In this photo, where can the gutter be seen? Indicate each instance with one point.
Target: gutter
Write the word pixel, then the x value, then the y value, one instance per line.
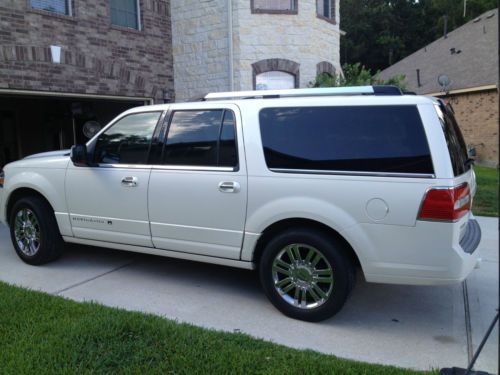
pixel 463 91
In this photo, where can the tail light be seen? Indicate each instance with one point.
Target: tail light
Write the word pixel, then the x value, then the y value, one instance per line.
pixel 446 204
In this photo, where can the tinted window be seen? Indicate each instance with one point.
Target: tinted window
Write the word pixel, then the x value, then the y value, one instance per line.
pixel 201 138
pixel 454 139
pixel 128 140
pixel 361 138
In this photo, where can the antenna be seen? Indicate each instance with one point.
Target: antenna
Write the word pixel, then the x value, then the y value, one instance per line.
pixel 444 82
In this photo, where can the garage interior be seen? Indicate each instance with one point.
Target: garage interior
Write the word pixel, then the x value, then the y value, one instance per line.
pixel 33 124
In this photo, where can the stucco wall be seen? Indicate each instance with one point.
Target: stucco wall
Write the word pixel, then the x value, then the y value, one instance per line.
pixel 200 47
pixel 302 37
pixel 477 115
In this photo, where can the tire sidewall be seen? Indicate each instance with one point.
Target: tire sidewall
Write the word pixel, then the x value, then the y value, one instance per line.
pixel 38 211
pixel 331 250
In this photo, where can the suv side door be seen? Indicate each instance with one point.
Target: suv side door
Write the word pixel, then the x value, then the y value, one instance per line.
pixel 198 195
pixel 108 200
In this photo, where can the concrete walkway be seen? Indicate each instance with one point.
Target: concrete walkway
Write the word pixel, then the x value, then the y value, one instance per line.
pixel 414 327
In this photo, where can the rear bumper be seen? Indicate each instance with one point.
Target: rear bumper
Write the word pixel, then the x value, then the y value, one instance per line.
pixel 430 253
pixel 472 237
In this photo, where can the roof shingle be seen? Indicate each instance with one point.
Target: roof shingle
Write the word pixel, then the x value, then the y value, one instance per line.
pixel 468 56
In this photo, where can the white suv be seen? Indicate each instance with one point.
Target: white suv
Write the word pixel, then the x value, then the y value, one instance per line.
pixel 304 185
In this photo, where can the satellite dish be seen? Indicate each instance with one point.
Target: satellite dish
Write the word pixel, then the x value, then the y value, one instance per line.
pixel 444 81
pixel 91 128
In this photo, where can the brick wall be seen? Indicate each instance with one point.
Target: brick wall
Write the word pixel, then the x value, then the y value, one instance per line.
pixel 96 57
pixel 477 115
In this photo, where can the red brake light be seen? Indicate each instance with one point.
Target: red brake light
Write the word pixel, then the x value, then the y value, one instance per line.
pixel 447 204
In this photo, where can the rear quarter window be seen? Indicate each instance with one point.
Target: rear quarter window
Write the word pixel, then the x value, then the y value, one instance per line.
pixel 387 139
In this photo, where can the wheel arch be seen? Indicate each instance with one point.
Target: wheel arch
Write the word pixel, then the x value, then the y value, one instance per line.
pixel 20 193
pixel 298 222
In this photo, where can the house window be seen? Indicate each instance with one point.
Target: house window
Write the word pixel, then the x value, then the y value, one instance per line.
pixel 55 6
pixel 272 74
pixel 326 9
pixel 126 13
pixel 274 6
pixel 275 80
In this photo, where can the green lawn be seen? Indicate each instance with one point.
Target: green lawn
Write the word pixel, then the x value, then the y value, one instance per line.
pixel 44 334
pixel 486 200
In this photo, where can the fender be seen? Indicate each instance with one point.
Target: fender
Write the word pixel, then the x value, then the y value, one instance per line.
pixel 47 182
pixel 303 208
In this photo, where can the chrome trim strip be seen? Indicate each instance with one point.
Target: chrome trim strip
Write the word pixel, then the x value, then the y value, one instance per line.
pixel 193 168
pixel 169 167
pixel 125 166
pixel 353 173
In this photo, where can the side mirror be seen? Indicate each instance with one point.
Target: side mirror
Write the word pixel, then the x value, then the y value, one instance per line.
pixel 78 155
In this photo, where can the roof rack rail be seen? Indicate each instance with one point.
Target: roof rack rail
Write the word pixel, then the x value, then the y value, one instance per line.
pixel 328 91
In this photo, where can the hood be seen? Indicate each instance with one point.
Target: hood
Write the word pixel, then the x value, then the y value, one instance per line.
pixel 53 159
pixel 49 154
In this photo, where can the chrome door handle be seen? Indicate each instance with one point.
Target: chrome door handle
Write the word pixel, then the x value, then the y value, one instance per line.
pixel 229 187
pixel 129 181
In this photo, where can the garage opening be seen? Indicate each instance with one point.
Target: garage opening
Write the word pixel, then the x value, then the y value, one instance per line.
pixel 33 124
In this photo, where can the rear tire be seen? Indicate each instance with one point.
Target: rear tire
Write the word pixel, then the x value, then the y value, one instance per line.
pixel 34 231
pixel 306 274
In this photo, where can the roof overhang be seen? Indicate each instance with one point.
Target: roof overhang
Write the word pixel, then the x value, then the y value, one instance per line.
pixel 464 91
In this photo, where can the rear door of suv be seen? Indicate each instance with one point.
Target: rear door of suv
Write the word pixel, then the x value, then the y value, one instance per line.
pixel 198 191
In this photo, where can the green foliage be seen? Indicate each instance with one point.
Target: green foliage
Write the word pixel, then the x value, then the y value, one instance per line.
pixel 486 200
pixel 356 75
pixel 42 334
pixel 382 32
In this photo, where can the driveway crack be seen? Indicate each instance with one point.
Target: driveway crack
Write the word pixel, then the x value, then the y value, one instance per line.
pixel 94 278
pixel 468 327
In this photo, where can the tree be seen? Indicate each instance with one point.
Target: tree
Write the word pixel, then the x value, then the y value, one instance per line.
pixel 356 75
pixel 382 32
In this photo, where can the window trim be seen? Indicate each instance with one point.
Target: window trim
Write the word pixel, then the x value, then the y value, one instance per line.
pixel 91 146
pixel 167 121
pixel 125 28
pixel 293 11
pixel 70 13
pixel 333 9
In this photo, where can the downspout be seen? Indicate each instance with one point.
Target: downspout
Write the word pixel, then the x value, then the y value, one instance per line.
pixel 230 43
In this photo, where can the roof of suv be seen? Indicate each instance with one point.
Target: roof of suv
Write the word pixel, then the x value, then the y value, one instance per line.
pixel 361 95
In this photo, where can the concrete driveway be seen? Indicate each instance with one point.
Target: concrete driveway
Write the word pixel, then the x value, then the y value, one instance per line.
pixel 414 327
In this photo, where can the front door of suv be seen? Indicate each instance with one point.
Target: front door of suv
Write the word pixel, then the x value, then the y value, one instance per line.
pixel 198 195
pixel 108 201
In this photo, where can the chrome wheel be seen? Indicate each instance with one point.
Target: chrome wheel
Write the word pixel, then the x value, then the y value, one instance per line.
pixel 27 232
pixel 302 276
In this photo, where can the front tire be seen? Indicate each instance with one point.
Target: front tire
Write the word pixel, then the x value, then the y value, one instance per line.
pixel 34 231
pixel 306 274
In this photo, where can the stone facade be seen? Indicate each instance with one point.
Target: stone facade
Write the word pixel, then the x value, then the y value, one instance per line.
pixel 201 45
pixel 96 57
pixel 477 115
pixel 304 38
